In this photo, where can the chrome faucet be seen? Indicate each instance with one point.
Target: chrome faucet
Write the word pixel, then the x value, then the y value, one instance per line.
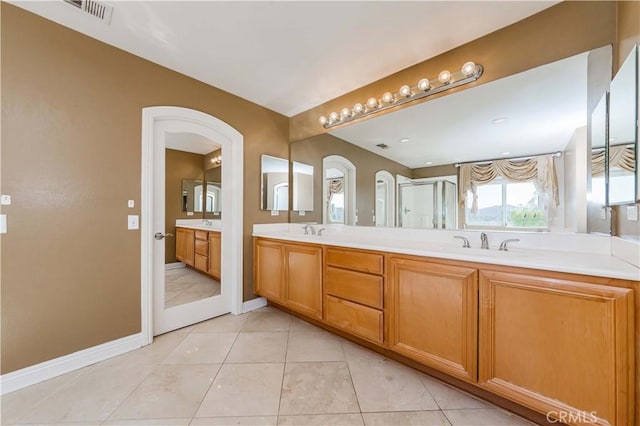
pixel 308 227
pixel 485 241
pixel 320 231
pixel 465 242
pixel 503 245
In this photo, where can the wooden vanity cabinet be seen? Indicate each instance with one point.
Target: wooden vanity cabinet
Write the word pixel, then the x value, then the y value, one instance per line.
pixel 215 255
pixel 290 274
pixel 558 346
pixel 185 245
pixel 433 314
pixel 201 262
pixel 354 292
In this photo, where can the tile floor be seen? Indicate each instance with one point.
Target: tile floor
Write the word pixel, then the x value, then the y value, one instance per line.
pixel 261 368
pixel 184 285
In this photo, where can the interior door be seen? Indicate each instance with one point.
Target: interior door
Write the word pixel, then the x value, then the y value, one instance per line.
pixel 167 317
pixel 416 205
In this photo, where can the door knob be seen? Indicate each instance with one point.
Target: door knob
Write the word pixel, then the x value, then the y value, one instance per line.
pixel 160 235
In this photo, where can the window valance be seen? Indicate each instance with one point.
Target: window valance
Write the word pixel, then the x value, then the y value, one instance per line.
pixel 540 170
pixel 622 156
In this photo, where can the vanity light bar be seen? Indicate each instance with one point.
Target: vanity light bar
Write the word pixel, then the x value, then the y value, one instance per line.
pixel 446 80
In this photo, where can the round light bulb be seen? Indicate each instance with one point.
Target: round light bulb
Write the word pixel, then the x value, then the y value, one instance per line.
pixel 372 103
pixel 405 91
pixel 323 120
pixel 345 113
pixel 468 69
pixel 444 76
pixel 358 108
pixel 387 97
pixel 333 117
pixel 424 84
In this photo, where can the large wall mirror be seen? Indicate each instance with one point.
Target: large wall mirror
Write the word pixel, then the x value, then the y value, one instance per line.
pixel 623 133
pixel 510 154
pixel 275 184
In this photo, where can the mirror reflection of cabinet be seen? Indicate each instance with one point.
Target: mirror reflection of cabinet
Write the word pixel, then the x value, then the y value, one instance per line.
pixel 275 184
pixel 302 187
pixel 623 133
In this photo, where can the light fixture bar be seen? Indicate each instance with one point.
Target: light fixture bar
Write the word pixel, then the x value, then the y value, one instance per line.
pixel 446 80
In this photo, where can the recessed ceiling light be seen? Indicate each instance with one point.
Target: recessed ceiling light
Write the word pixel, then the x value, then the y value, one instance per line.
pixel 506 153
pixel 403 140
pixel 428 163
pixel 499 120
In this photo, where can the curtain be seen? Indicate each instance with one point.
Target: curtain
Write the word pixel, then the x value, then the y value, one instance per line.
pixel 539 170
pixel 622 156
pixel 335 186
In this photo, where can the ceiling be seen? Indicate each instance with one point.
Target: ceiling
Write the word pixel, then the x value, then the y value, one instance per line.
pixel 289 56
pixel 536 112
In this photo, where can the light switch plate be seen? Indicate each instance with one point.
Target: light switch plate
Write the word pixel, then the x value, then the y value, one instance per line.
pixel 5 200
pixel 275 212
pixel 632 213
pixel 131 204
pixel 133 221
pixel 302 213
pixel 3 223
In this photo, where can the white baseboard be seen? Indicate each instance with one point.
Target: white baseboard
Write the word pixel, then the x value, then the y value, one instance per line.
pixel 254 304
pixel 174 265
pixel 49 369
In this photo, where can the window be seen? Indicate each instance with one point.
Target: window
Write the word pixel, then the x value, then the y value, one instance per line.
pixel 503 204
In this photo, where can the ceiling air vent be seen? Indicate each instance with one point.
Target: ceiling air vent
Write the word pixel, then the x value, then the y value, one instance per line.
pixel 97 9
pixel 383 146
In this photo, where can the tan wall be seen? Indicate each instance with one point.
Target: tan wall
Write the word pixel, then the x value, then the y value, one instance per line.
pixel 435 171
pixel 313 150
pixel 628 34
pixel 71 138
pixel 179 165
pixel 563 30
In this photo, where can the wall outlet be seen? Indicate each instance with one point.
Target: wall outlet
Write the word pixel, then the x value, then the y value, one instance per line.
pixel 189 213
pixel 131 204
pixel 275 212
pixel 301 213
pixel 133 221
pixel 632 213
pixel 5 200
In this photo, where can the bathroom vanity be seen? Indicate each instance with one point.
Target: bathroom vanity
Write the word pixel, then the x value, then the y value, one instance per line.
pixel 199 247
pixel 547 329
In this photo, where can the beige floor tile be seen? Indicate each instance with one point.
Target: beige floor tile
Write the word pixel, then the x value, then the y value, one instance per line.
pixel 244 390
pixel 484 416
pixel 298 325
pixel 448 397
pixel 317 388
pixel 169 391
pixel 17 404
pixel 314 346
pixel 266 321
pixel 357 353
pixel 406 418
pixel 322 420
pixel 236 421
pixel 225 324
pixel 149 422
pixel 259 347
pixel 92 396
pixel 385 385
pixel 202 348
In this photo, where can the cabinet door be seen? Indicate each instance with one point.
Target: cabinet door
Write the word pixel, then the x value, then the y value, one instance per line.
pixel 303 291
pixel 215 255
pixel 433 310
pixel 185 249
pixel 559 347
pixel 269 269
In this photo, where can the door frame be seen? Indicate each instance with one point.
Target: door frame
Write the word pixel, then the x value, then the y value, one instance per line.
pixel 232 143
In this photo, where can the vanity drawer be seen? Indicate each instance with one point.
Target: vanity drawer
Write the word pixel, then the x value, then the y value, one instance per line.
pixel 355 286
pixel 202 247
pixel 354 318
pixel 356 260
pixel 201 235
pixel 201 262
